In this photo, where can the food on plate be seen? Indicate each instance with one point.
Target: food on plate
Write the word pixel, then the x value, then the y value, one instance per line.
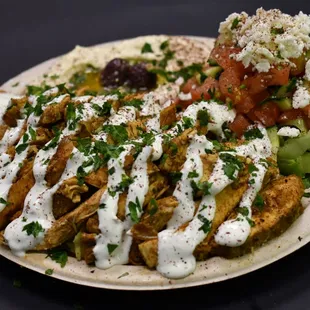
pixel 161 151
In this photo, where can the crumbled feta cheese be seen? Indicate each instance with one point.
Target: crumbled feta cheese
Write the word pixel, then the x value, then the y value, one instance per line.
pixel 179 81
pixel 288 132
pixel 307 74
pixel 301 97
pixel 267 38
pixel 184 97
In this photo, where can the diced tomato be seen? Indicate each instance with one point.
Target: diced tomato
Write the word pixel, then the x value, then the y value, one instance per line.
pixel 267 113
pixel 290 115
pixel 239 125
pixel 189 85
pixel 222 55
pixel 280 76
pixel 246 103
pixel 257 83
pixel 300 64
pixel 229 83
pixel 199 92
pixel 306 111
pixel 257 98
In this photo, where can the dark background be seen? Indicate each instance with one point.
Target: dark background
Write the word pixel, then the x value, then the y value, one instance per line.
pixel 33 31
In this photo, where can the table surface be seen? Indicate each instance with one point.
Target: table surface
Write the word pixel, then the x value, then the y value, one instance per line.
pixel 33 31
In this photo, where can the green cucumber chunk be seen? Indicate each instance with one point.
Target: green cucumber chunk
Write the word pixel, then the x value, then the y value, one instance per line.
pixel 214 71
pixel 299 166
pixel 284 104
pixel 295 147
pixel 298 123
pixel 274 139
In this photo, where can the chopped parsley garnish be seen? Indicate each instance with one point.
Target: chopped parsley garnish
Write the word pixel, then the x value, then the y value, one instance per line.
pixel 187 122
pixel 147 48
pixel 108 150
pixel 231 165
pixel 36 90
pixel 173 148
pixel 259 202
pixel 80 175
pixel 102 206
pixel 164 45
pixel 137 103
pixel 206 226
pixel 4 202
pixel 250 221
pixel 117 132
pixel 275 30
pixel 253 133
pixel 84 145
pixel 71 116
pixel 167 56
pixel 243 211
pixel 154 207
pixel 163 158
pixel 134 208
pixel 54 77
pixel 217 146
pixel 235 23
pixel 242 86
pixel 192 174
pixel 21 147
pixel 49 272
pixel 203 117
pixel 175 177
pixel 32 133
pixel 33 228
pixel 306 195
pixel 111 193
pixel 111 171
pixel 59 256
pixel 148 138
pixel 111 247
pixel 54 142
pixel 103 110
pixel 126 181
pixel 201 186
pixel 25 137
pixel 125 274
pixel 252 168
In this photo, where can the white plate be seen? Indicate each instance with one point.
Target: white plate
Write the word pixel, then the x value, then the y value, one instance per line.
pixel 140 278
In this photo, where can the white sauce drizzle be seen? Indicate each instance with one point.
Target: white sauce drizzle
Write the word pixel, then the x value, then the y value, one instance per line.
pixel 183 191
pixel 175 247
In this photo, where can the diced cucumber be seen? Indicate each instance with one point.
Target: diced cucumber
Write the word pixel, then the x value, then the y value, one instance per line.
pixel 295 147
pixel 299 123
pixel 212 62
pixel 299 166
pixel 284 104
pixel 214 71
pixel 284 90
pixel 274 139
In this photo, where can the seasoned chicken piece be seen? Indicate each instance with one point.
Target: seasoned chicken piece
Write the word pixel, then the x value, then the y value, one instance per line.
pixel 88 127
pixel 66 227
pixel 16 197
pixel 43 135
pixel 58 162
pixel 168 115
pixel 134 129
pixel 13 112
pixel 72 190
pixel 54 112
pixel 62 205
pixel 281 208
pixel 98 178
pixel 3 129
pixel 175 152
pixel 92 225
pixel 225 206
pixel 88 241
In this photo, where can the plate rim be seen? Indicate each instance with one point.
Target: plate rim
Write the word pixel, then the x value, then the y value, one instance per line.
pixel 25 262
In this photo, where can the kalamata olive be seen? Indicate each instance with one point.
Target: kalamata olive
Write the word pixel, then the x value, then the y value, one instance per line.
pixel 115 73
pixel 139 77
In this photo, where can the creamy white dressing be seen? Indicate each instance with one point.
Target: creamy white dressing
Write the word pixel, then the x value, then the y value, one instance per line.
pixel 176 247
pixel 38 206
pixel 183 191
pixel 123 116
